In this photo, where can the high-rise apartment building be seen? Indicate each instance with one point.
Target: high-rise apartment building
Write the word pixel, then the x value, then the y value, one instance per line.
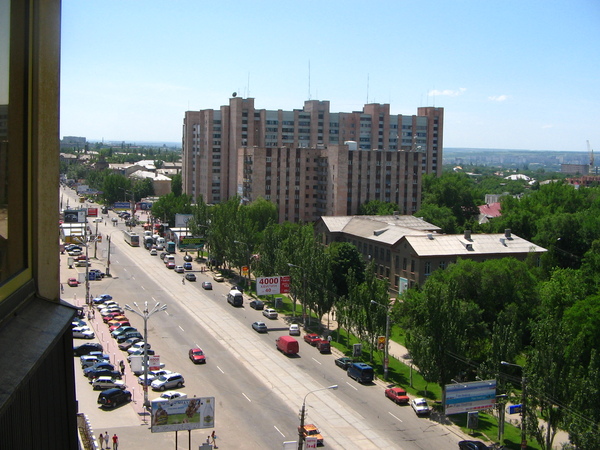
pixel 310 161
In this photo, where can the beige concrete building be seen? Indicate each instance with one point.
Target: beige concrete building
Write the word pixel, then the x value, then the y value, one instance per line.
pixel 225 152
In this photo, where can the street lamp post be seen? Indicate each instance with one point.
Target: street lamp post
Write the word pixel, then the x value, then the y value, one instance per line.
pixel 523 400
pixel 84 241
pixel 248 250
pixel 303 413
pixel 303 293
pixel 387 340
pixel 146 314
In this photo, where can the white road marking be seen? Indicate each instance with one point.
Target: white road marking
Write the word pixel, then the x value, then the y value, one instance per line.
pixel 351 386
pixel 316 361
pixel 220 369
pixel 142 287
pixel 399 420
pixel 181 328
pixel 246 397
pixel 283 435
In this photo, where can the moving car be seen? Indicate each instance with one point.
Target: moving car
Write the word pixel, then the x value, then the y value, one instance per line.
pixel 190 277
pixel 420 406
pixel 260 327
pixel 344 362
pixel 312 338
pixel 111 398
pixel 172 380
pixel 270 313
pixel 207 285
pixel 294 329
pixel 312 431
pixel 197 356
pixel 218 277
pixel 104 383
pixel 257 304
pixel 187 265
pixel 88 347
pixel 397 395
pixel 72 282
pixel 153 252
pixel 361 372
pixel 170 265
pixel 472 445
pixel 287 345
pixel 179 269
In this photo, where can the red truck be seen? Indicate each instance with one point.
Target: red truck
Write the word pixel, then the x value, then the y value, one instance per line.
pixel 287 345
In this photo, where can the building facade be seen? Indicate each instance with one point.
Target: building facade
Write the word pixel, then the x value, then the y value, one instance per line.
pixel 217 143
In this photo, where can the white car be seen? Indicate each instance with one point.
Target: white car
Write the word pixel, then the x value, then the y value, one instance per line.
pixel 420 406
pixel 179 269
pixel 153 252
pixel 171 395
pixel 172 380
pixel 90 360
pixel 103 383
pixel 83 333
pixel 294 329
pixel 270 313
pixel 137 346
pixel 153 375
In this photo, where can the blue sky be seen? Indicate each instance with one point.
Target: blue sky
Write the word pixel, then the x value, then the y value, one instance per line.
pixel 509 74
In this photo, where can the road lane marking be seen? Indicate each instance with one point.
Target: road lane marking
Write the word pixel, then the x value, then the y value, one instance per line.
pixel 142 287
pixel 351 386
pixel 399 420
pixel 283 435
pixel 316 361
pixel 181 328
pixel 220 369
pixel 246 397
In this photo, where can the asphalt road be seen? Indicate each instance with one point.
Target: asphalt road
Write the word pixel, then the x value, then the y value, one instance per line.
pixel 258 390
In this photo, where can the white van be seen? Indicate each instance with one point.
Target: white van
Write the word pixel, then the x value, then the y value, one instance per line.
pixel 169 258
pixel 235 298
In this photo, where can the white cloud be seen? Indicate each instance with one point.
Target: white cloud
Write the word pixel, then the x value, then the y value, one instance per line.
pixel 448 92
pixel 498 98
pixel 544 127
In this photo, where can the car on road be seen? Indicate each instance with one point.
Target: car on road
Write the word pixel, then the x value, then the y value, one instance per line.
pixel 187 265
pixel 218 278
pixel 261 327
pixel 128 343
pixel 312 338
pixel 153 252
pixel 197 356
pixel 270 313
pixel 344 362
pixel 294 329
pixel 83 333
pixel 190 277
pixel 257 304
pixel 114 397
pixel 162 255
pixel 472 445
pixel 397 395
pixel 102 298
pixel 179 269
pixel 170 395
pixel 207 285
pixel 170 381
pixel 73 282
pixel 87 348
pixel 312 431
pixel 420 406
pixel 170 265
pixel 104 383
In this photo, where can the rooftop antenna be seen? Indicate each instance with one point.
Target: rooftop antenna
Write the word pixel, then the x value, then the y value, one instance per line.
pixel 248 93
pixel 367 89
pixel 309 79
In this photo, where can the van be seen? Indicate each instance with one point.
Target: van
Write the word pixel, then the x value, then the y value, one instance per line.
pixel 169 258
pixel 361 372
pixel 287 345
pixel 235 298
pixel 160 240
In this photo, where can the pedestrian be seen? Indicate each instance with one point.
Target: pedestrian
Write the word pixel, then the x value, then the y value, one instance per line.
pixel 183 281
pixel 122 364
pixel 214 439
pixel 116 442
pixel 62 288
pixel 93 313
pixel 106 438
pixel 101 441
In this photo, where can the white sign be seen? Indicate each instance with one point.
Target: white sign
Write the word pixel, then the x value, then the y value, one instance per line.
pixel 182 414
pixel 310 442
pixel 472 396
pixel 272 285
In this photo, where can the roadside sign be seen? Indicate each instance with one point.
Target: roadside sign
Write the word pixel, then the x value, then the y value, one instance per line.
pixel 272 285
pixel 310 442
pixel 356 350
pixel 514 409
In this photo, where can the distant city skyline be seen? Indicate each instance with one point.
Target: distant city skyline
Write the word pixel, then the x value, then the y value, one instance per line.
pixel 509 75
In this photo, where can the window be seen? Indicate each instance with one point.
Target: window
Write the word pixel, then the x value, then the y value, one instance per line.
pixel 428 268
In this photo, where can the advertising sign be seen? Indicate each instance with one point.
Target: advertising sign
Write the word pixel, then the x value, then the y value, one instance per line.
pixel 272 285
pixel 182 414
pixel 92 212
pixel 74 216
pixel 381 343
pixel 473 396
pixel 121 206
pixel 181 220
pixel 356 350
pixel 310 442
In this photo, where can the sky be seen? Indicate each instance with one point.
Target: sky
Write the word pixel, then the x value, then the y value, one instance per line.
pixel 509 74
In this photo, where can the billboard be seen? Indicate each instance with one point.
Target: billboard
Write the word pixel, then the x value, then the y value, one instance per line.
pixel 92 212
pixel 181 220
pixel 473 396
pixel 182 414
pixel 272 285
pixel 74 216
pixel 121 205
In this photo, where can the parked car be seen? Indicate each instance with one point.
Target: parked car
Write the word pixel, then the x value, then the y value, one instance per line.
pixel 261 327
pixel 312 338
pixel 87 348
pixel 138 346
pixel 114 316
pixel 420 406
pixel 104 373
pixel 128 343
pixel 257 304
pixel 102 298
pixel 397 395
pixel 361 372
pixel 197 356
pixel 218 277
pixel 179 269
pixel 472 445
pixel 171 395
pixel 120 331
pixel 172 380
pixel 162 255
pixel 270 313
pixel 90 360
pixel 78 323
pixel 312 431
pixel 129 335
pixel 323 346
pixel 100 365
pixel 139 352
pixel 73 282
pixel 207 285
pixel 83 333
pixel 344 362
pixel 104 383
pixel 294 329
pixel 111 398
pixel 117 324
pixel 187 265
pixel 190 276
pixel 152 375
pixel 98 273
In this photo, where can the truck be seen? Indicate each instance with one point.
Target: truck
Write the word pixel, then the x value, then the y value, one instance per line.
pixel 287 345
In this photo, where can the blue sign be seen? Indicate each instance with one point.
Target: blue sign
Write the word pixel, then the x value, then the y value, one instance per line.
pixel 515 409
pixel 122 205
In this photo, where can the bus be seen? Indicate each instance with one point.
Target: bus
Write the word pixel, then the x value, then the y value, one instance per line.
pixel 131 238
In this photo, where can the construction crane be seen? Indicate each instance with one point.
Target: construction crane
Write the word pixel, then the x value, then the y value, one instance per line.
pixel 591 153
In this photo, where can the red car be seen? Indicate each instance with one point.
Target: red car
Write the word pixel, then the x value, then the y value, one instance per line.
pixel 72 282
pixel 397 395
pixel 122 323
pixel 170 265
pixel 117 315
pixel 197 356
pixel 312 338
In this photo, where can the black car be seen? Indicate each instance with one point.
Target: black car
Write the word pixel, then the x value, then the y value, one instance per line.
pixel 85 349
pixel 257 304
pixel 190 277
pixel 102 365
pixel 187 258
pixel 129 335
pixel 472 445
pixel 104 373
pixel 344 362
pixel 114 397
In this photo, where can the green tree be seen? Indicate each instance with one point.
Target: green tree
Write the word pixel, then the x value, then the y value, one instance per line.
pixel 167 206
pixel 177 185
pixel 377 208
pixel 344 257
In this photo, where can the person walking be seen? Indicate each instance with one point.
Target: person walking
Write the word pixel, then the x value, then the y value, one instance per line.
pixel 214 439
pixel 101 438
pixel 115 439
pixel 183 281
pixel 106 439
